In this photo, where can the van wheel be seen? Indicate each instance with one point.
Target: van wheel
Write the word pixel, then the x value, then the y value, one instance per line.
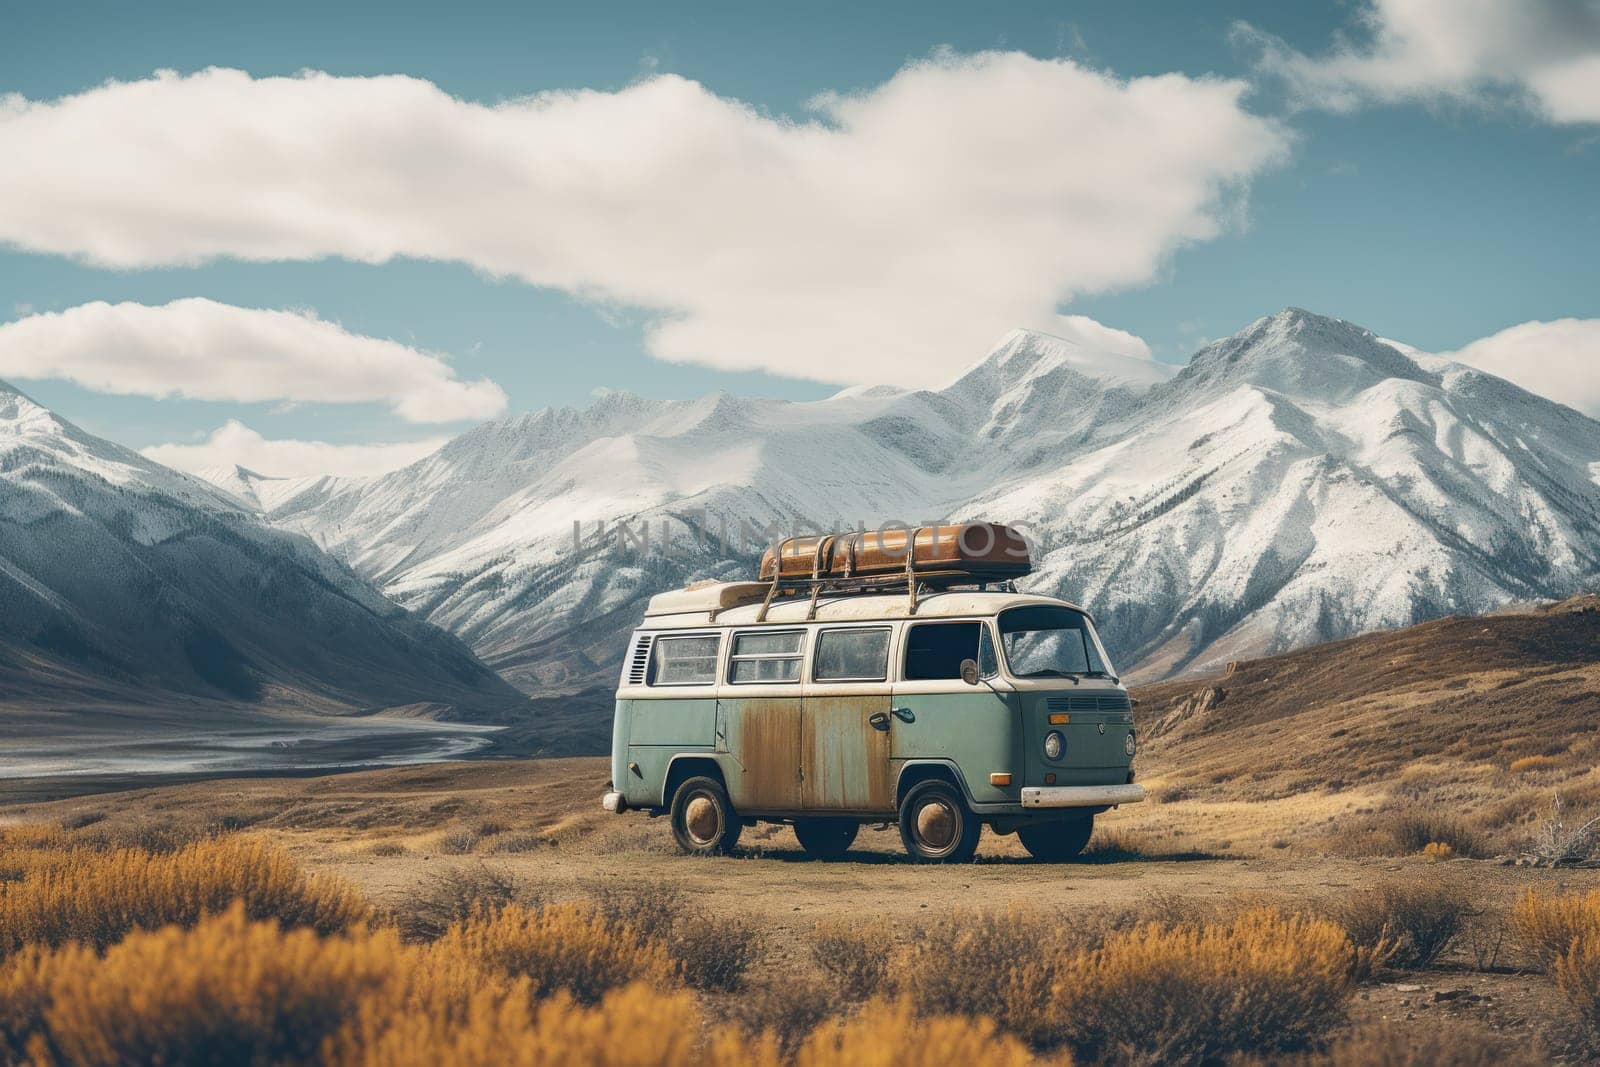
pixel 936 826
pixel 1056 842
pixel 826 839
pixel 703 821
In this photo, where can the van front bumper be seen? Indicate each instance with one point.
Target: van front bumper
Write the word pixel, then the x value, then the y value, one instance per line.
pixel 613 802
pixel 1081 796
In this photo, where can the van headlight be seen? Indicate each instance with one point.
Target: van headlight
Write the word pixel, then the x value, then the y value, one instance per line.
pixel 1129 746
pixel 1053 744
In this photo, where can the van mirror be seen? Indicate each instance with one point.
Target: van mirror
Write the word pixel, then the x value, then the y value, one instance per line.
pixel 969 671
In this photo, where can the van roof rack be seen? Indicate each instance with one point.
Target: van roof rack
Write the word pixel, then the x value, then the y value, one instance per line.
pixel 913 580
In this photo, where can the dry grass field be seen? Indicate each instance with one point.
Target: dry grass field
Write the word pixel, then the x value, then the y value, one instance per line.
pixel 1349 858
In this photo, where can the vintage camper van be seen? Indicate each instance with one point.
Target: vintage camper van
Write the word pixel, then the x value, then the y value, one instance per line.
pixel 836 694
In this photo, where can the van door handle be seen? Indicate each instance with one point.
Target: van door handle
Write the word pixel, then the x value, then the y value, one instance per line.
pixel 904 714
pixel 878 720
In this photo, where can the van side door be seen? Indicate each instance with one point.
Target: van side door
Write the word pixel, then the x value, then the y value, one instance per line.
pixel 845 729
pixel 759 708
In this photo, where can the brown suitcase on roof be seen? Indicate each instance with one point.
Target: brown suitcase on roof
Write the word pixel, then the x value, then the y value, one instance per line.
pixel 974 551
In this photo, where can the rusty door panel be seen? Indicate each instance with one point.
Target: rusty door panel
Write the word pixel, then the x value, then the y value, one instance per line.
pixel 844 758
pixel 763 735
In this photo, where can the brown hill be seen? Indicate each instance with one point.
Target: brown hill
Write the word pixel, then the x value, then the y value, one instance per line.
pixel 1484 719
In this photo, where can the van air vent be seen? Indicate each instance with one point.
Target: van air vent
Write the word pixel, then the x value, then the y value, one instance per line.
pixel 1089 702
pixel 639 663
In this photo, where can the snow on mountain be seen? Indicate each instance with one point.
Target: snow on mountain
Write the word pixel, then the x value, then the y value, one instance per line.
pixel 1303 481
pixel 1041 353
pixel 265 492
pixel 124 580
pixel 1299 481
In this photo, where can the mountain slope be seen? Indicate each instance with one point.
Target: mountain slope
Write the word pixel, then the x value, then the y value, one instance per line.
pixel 126 582
pixel 1300 481
pixel 1461 698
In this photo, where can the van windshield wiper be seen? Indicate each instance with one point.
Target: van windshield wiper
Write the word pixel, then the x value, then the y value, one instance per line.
pixel 1047 672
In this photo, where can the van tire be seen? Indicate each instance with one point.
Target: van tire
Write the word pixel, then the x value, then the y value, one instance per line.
pixel 1056 841
pixel 935 825
pixel 703 820
pixel 826 839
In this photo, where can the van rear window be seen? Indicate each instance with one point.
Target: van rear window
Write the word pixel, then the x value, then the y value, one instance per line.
pixel 684 661
pixel 766 657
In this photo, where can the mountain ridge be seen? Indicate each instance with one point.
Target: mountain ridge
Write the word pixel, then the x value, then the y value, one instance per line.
pixel 1298 481
pixel 131 583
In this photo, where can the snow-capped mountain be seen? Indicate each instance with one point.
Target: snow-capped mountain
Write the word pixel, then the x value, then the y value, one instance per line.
pixel 1299 481
pixel 1303 481
pixel 264 492
pixel 123 580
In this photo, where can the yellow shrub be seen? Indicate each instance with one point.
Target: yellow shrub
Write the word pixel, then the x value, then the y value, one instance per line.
pixel 97 897
pixel 784 1006
pixel 1577 975
pixel 1172 993
pixel 1533 763
pixel 232 991
pixel 227 991
pixel 1548 924
pixel 565 947
pixel 1408 925
pixel 23 838
pixel 1438 850
pixel 25 992
pixel 855 955
pixel 888 1035
pixel 1192 995
pixel 30 848
pixel 550 988
pixel 631 1027
pixel 1002 965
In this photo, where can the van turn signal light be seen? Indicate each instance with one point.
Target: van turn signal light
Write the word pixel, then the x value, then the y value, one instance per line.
pixel 997 778
pixel 1059 719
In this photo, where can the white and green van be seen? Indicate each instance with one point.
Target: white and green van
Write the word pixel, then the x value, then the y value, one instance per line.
pixel 944 712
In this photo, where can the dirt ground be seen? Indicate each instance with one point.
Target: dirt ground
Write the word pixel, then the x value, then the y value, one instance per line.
pixel 387 830
pixel 391 831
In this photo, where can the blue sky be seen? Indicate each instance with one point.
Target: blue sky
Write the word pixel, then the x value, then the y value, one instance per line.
pixel 1436 212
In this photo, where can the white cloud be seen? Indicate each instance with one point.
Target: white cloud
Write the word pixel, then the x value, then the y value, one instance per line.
pixel 886 238
pixel 1560 360
pixel 1541 54
pixel 1097 335
pixel 235 444
pixel 209 351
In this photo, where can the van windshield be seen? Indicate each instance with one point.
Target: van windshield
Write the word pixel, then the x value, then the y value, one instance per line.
pixel 1051 642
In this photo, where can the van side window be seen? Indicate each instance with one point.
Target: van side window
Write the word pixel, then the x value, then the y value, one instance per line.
pixel 766 657
pixel 684 661
pixel 934 650
pixel 852 656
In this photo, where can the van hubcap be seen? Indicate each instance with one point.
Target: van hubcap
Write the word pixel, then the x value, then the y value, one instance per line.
pixel 936 825
pixel 700 818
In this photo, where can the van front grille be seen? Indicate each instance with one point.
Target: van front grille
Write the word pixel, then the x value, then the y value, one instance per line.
pixel 639 662
pixel 1089 702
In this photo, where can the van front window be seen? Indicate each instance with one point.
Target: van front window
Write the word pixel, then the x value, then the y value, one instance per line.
pixel 934 650
pixel 1051 642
